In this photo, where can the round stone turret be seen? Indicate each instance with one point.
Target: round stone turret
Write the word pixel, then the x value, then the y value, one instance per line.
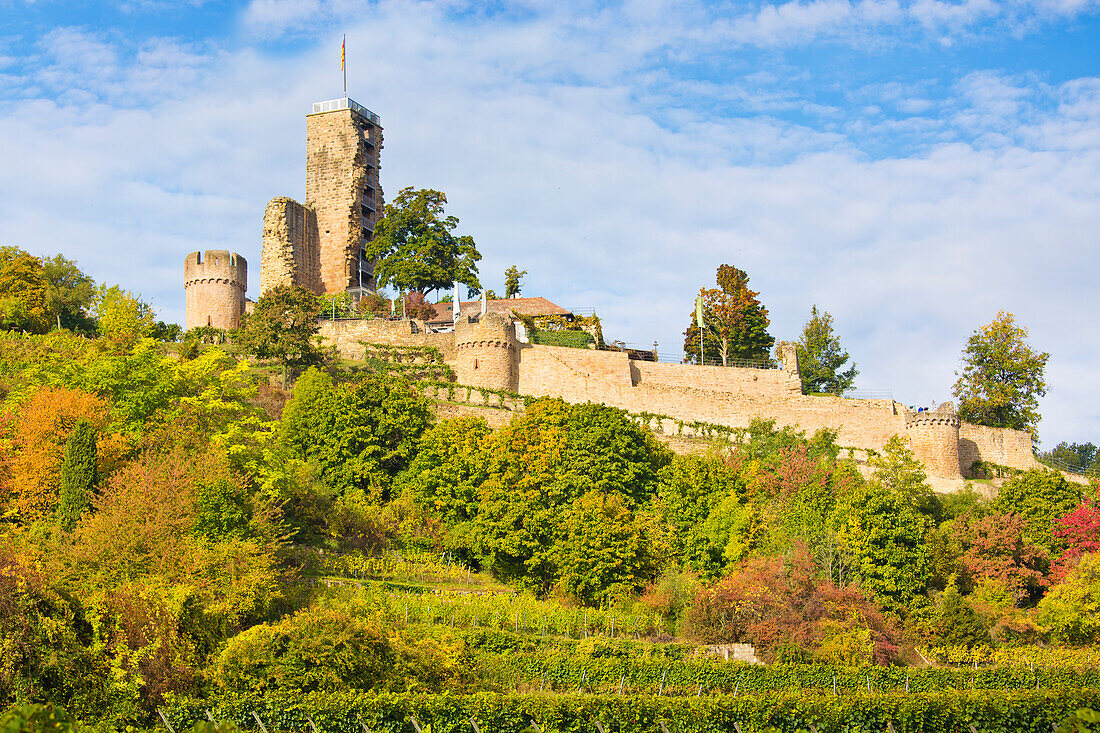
pixel 215 283
pixel 934 439
pixel 486 352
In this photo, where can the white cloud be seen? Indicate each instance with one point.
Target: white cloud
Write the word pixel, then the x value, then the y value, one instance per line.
pixel 616 184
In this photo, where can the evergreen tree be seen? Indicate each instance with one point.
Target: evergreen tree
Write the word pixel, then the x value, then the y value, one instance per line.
pixel 513 277
pixel 78 475
pixel 820 357
pixel 958 624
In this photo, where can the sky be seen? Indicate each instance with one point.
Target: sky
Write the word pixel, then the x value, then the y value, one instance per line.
pixel 912 167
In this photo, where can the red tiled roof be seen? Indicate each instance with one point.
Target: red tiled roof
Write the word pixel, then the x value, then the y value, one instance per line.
pixel 522 306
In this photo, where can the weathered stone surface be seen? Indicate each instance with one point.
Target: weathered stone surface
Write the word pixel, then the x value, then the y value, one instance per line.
pixel 214 282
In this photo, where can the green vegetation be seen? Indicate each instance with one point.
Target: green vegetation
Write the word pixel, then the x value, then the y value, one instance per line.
pixel 821 358
pixel 1002 378
pixel 416 248
pixel 180 531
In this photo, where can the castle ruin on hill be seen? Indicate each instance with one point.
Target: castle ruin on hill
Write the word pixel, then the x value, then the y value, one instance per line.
pixel 319 246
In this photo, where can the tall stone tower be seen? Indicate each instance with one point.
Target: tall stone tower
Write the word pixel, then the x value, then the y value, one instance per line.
pixel 215 282
pixel 319 244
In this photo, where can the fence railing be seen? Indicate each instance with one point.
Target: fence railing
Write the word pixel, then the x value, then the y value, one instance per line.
pixel 1060 465
pixel 869 394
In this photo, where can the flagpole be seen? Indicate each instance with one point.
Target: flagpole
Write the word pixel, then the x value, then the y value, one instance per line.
pixel 343 64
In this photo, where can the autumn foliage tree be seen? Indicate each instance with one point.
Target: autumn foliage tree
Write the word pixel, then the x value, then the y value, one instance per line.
pixel 782 607
pixel 45 423
pixel 735 323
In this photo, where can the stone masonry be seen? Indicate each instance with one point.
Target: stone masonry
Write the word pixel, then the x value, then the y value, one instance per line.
pixel 484 353
pixel 289 253
pixel 319 245
pixel 214 282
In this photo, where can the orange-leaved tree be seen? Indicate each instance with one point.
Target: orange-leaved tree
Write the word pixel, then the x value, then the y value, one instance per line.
pixel 38 446
pixel 735 323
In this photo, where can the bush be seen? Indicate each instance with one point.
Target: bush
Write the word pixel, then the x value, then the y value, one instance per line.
pixel 571 339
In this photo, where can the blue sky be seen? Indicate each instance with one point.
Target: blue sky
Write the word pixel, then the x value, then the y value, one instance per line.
pixel 910 166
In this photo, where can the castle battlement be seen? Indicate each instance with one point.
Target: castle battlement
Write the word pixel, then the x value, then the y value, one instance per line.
pixel 215 282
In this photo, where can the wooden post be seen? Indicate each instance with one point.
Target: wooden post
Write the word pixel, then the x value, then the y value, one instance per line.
pixel 165 721
pixel 210 716
pixel 473 724
pixel 312 724
pixel 259 722
pixel 416 724
pixel 622 681
pixel 662 687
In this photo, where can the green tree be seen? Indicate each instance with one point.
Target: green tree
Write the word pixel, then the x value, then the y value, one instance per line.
pixel 1071 609
pixel 1040 496
pixel 543 461
pixel 605 551
pixel 513 278
pixel 735 323
pixel 283 326
pixel 1002 378
pixel 450 465
pixel 883 526
pixel 821 357
pixel 958 624
pixel 1079 457
pixel 24 292
pixel 123 318
pixel 70 293
pixel 78 474
pixel 416 248
pixel 360 435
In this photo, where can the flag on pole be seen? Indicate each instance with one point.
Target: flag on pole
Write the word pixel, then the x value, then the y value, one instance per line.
pixel 699 311
pixel 343 43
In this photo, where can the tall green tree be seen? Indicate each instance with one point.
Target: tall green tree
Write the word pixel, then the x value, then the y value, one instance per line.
pixel 24 292
pixel 539 465
pixel 416 247
pixel 360 435
pixel 735 323
pixel 70 293
pixel 821 358
pixel 513 281
pixel 1002 378
pixel 78 475
pixel 283 326
pixel 1039 496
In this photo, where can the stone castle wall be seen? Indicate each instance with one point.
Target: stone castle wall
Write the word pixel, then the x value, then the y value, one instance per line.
pixel 342 164
pixel 728 396
pixel 1002 446
pixel 214 284
pixel 289 252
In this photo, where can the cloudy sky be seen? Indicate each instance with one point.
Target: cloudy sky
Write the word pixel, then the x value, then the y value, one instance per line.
pixel 910 166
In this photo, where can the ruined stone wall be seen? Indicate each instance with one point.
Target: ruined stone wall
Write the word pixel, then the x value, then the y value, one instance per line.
pixel 348 336
pixel 289 253
pixel 1002 446
pixel 342 164
pixel 214 284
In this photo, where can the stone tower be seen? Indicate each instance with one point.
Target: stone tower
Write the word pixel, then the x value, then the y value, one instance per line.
pixel 486 352
pixel 934 439
pixel 319 244
pixel 215 283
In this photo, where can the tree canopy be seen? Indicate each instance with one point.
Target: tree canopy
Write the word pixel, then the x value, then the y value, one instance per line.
pixel 821 358
pixel 513 281
pixel 283 325
pixel 1002 378
pixel 735 323
pixel 416 248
